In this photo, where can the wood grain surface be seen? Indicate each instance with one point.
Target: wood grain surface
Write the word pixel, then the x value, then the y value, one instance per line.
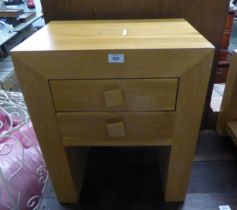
pixel 118 34
pixel 228 111
pixel 81 57
pixel 131 95
pixel 90 129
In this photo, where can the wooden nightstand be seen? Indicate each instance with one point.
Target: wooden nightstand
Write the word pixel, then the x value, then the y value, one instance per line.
pixel 115 83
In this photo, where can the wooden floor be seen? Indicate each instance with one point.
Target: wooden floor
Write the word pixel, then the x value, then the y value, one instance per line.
pixel 128 178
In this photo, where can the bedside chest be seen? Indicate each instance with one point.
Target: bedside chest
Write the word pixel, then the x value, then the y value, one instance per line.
pixel 115 83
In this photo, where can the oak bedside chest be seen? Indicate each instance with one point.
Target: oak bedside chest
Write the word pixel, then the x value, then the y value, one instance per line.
pixel 115 83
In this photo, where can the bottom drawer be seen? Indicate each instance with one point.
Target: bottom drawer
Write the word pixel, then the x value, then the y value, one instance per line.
pixel 116 129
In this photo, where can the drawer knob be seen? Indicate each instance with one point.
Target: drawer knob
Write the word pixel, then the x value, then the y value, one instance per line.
pixel 116 129
pixel 113 98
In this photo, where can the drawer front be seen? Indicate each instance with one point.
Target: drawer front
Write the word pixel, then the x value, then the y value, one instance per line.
pixel 116 128
pixel 114 95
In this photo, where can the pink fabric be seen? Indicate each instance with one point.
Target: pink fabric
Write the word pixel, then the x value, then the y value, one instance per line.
pixel 22 166
pixel 5 123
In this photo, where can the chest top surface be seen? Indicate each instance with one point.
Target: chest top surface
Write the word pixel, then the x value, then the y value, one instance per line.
pixel 115 34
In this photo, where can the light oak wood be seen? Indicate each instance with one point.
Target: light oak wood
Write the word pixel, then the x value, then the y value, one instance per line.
pixel 113 35
pixel 80 63
pixel 190 103
pixel 79 55
pixel 90 128
pixel 113 98
pixel 153 63
pixel 232 130
pixel 40 105
pixel 116 95
pixel 77 159
pixel 228 111
pixel 116 129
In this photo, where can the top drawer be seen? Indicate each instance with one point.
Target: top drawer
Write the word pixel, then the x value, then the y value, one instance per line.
pixel 114 95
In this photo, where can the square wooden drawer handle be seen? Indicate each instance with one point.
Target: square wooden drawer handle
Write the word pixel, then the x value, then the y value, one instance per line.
pixel 116 129
pixel 113 98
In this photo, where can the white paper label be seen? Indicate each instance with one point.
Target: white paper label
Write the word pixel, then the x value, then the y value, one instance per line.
pixel 116 58
pixel 226 207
